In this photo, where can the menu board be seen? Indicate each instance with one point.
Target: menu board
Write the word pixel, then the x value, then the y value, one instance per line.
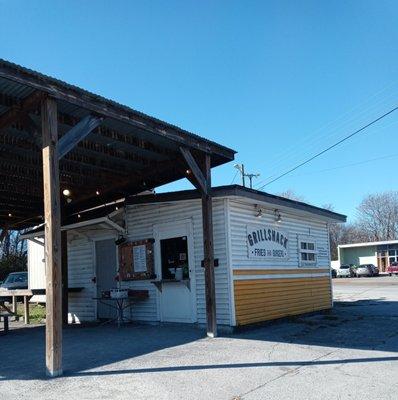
pixel 139 258
pixel 136 260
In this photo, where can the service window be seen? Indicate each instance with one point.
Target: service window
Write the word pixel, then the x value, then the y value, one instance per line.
pixel 307 251
pixel 174 257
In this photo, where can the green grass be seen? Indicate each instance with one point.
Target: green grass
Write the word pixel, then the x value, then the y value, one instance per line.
pixel 37 312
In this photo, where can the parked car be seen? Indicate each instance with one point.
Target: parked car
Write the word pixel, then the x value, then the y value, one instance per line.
pixel 16 280
pixel 366 270
pixel 344 271
pixel 393 268
pixel 374 269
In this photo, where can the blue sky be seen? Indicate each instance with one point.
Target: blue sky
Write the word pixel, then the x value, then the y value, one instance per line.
pixel 277 81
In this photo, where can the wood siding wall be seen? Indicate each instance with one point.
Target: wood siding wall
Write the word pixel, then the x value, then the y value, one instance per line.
pixel 269 289
pixel 140 221
pixel 36 269
pixel 81 270
pixel 263 299
pixel 140 224
pixel 247 290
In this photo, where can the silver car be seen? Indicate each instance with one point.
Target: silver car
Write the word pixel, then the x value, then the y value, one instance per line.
pixel 363 270
pixel 344 271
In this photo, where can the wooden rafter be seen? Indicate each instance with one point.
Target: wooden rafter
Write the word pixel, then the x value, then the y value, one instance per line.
pixel 131 185
pixel 76 134
pixel 199 180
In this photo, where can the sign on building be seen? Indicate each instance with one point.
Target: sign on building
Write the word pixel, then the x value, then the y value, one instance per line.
pixel 267 242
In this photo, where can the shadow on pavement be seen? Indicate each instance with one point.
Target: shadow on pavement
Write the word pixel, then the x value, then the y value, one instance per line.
pixel 234 366
pixel 348 325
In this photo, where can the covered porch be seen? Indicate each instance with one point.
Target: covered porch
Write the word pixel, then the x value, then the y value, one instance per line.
pixel 65 151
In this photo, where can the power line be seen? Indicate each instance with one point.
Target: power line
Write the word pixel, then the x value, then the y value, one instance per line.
pixel 331 147
pixel 346 165
pixel 349 165
pixel 334 127
pixel 233 180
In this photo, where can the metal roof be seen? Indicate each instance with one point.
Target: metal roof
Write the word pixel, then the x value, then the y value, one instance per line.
pixel 127 154
pixel 41 81
pixel 239 191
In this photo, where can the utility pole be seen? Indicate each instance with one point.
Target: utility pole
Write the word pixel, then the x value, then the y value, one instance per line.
pixel 241 169
pixel 251 176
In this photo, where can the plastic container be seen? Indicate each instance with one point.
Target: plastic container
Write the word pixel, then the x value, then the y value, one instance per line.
pixel 178 274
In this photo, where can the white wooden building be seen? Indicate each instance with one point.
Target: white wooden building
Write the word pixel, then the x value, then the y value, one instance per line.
pixel 273 257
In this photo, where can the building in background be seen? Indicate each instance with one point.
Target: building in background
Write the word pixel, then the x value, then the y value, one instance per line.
pixel 381 254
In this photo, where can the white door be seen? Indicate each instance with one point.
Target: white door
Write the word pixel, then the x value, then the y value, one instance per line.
pixel 173 252
pixel 105 261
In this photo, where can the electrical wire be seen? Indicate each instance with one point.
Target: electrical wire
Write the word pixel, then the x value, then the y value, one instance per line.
pixel 233 180
pixel 349 165
pixel 329 169
pixel 330 147
pixel 334 127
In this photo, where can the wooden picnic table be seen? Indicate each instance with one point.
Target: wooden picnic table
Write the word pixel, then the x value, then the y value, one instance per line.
pixel 27 294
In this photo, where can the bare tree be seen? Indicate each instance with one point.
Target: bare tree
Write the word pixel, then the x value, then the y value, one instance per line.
pixel 342 234
pixel 13 252
pixel 290 194
pixel 377 216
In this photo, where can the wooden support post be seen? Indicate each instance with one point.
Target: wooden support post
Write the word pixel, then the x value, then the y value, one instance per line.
pixel 52 235
pixel 64 263
pixel 6 325
pixel 26 309
pixel 208 250
pixel 15 307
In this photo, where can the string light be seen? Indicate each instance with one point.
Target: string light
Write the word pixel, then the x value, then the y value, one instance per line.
pixel 66 192
pixel 79 216
pixel 9 214
pixel 97 192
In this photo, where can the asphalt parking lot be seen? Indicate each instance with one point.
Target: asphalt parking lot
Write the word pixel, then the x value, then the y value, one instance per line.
pixel 350 352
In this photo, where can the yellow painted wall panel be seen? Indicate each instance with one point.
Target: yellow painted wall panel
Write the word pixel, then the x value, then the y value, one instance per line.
pixel 267 303
pixel 259 300
pixel 286 313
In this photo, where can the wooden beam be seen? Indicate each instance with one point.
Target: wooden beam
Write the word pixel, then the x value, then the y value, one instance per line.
pixel 194 167
pixel 77 133
pixel 26 309
pixel 15 307
pixel 52 234
pixel 130 185
pixel 208 250
pixel 64 263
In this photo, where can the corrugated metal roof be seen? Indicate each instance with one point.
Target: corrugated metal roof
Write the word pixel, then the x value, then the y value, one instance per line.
pixel 128 153
pixel 15 89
